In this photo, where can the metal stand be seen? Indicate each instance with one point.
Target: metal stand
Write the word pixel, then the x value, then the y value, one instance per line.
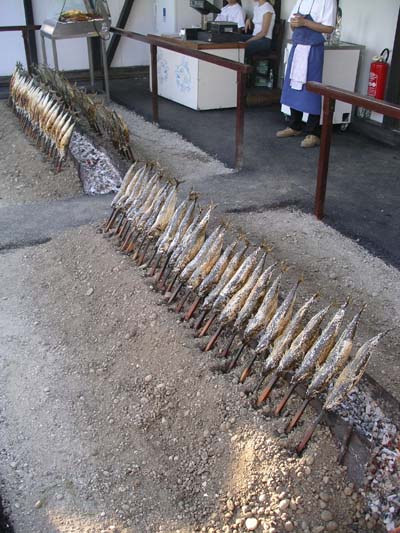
pixel 44 35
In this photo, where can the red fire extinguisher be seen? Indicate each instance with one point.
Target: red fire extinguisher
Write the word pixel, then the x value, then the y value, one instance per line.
pixel 378 75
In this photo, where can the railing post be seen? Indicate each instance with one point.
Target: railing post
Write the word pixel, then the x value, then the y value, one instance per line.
pixel 241 102
pixel 154 82
pixel 27 47
pixel 323 165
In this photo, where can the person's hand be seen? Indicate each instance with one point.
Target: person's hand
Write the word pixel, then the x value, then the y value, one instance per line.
pixel 247 25
pixel 298 21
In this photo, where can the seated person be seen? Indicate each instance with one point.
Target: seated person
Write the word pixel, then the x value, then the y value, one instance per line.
pixel 232 12
pixel 263 21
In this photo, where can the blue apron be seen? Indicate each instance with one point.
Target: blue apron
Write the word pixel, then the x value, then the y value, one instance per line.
pixel 304 100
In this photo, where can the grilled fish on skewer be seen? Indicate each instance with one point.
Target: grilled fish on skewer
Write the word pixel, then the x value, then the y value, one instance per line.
pixel 217 271
pixel 351 375
pixel 255 297
pixel 265 312
pixel 166 213
pixel 212 257
pixel 170 232
pixel 318 353
pixel 231 310
pixel 283 343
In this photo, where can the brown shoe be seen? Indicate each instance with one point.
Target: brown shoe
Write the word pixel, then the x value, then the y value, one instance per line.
pixel 288 132
pixel 310 141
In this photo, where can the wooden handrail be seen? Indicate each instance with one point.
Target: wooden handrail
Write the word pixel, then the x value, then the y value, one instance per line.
pixel 20 28
pixel 240 68
pixel 366 102
pixel 197 54
pixel 331 94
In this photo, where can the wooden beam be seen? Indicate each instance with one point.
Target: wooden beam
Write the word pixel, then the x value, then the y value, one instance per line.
pixel 122 21
pixel 31 34
pixel 393 89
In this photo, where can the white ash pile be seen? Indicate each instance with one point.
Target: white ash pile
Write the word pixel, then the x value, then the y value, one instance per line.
pixel 96 170
pixel 382 490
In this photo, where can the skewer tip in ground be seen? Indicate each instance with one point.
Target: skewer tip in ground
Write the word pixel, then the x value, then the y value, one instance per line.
pixel 308 434
pixel 268 389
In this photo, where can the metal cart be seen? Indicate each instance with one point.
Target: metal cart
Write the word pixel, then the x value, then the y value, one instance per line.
pixel 99 26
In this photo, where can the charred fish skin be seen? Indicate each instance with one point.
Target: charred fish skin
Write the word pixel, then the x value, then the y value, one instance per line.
pixel 165 215
pixel 184 228
pixel 166 238
pixel 255 297
pixel 265 312
pixel 318 353
pixel 231 269
pixel 238 280
pixel 351 375
pixel 204 265
pixel 201 256
pixel 303 342
pixel 235 304
pixel 279 321
pixel 292 330
pixel 336 360
pixel 211 280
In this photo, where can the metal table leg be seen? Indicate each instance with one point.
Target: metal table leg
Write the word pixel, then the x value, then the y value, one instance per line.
pixel 44 53
pixel 91 68
pixel 55 57
pixel 105 69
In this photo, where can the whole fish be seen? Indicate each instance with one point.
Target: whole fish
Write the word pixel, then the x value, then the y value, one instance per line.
pixel 318 353
pixel 187 221
pixel 165 214
pixel 336 360
pixel 206 266
pixel 279 321
pixel 130 175
pixel 152 206
pixel 292 330
pixel 166 238
pixel 238 280
pixel 302 343
pixel 195 242
pixel 134 186
pixel 183 243
pixel 203 254
pixel 138 209
pixel 255 298
pixel 231 310
pixel 265 312
pixel 351 375
pixel 211 280
pixel 156 208
pixel 230 271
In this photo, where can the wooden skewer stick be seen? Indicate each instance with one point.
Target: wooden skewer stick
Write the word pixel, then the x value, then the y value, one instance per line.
pixel 192 309
pixel 152 259
pixel 281 405
pixel 214 339
pixel 199 321
pixel 295 420
pixel 155 266
pixel 160 275
pixel 246 372
pixel 268 389
pixel 234 361
pixel 172 283
pixel 308 434
pixel 227 348
pixel 182 301
pixel 208 325
pixel 111 219
pixel 175 294
pixel 143 254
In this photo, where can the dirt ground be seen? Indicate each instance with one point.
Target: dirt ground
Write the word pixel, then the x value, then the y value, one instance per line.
pixel 25 173
pixel 112 419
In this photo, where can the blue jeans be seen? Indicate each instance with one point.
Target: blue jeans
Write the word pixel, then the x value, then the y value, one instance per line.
pixel 262 46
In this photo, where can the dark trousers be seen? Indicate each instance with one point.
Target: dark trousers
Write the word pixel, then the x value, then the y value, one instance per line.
pixel 312 126
pixel 262 46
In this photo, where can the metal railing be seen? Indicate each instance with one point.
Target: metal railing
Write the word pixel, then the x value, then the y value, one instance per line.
pixel 25 35
pixel 241 69
pixel 331 94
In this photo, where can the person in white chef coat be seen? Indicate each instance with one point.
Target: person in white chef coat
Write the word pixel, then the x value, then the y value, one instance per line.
pixel 263 22
pixel 309 20
pixel 232 12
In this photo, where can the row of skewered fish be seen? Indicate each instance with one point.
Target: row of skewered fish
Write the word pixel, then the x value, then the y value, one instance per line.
pixel 102 120
pixel 42 117
pixel 234 287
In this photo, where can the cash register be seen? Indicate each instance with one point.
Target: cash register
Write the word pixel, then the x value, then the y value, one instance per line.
pixel 211 31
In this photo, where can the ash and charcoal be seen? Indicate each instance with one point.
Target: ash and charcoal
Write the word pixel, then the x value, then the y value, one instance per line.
pixel 383 474
pixel 97 172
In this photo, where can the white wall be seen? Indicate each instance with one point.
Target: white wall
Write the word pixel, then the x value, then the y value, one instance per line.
pixel 11 43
